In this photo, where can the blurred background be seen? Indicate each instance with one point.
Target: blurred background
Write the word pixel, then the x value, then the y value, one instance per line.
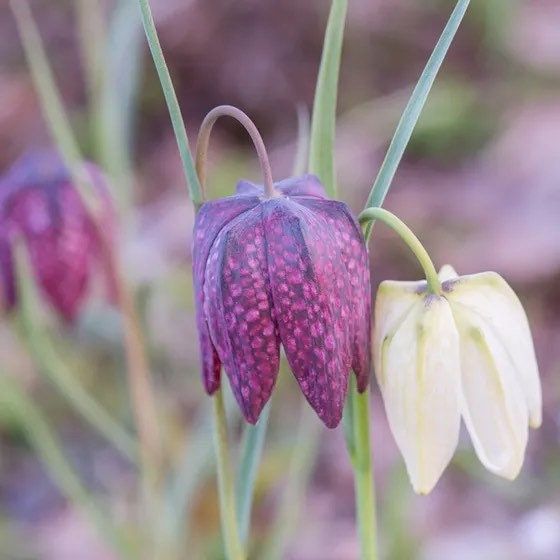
pixel 480 185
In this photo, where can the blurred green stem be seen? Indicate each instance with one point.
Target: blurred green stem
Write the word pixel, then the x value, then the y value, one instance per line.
pixel 39 343
pixel 251 454
pixel 302 459
pixel 363 471
pixel 91 35
pixel 230 531
pixel 172 103
pixel 50 99
pixel 369 215
pixel 42 439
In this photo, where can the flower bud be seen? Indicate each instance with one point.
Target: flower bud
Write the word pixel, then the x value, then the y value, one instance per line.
pixel 40 205
pixel 467 353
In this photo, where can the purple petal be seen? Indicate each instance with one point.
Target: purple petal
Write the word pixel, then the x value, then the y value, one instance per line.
pixel 350 242
pixel 307 185
pixel 244 187
pixel 238 308
pixel 312 298
pixel 210 220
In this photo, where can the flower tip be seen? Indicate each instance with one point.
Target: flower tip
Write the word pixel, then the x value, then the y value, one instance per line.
pixel 535 421
pixel 423 488
pixel 447 272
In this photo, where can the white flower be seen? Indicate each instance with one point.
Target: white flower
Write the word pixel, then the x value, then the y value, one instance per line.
pixel 467 353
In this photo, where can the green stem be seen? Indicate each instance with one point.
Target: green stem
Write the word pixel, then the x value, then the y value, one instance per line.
pixel 413 109
pixel 47 447
pixel 302 460
pixel 172 103
pixel 363 473
pixel 230 532
pixel 251 454
pixel 38 341
pixel 407 235
pixel 204 141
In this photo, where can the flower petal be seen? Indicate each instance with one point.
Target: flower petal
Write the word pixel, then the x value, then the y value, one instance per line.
pixel 446 273
pixel 210 220
pixel 393 303
pixel 493 404
pixel 312 298
pixel 421 373
pixel 489 296
pixel 244 188
pixel 350 243
pixel 238 309
pixel 307 185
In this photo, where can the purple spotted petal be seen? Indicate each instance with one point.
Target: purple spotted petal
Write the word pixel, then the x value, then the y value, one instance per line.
pixel 312 299
pixel 210 220
pixel 349 239
pixel 238 308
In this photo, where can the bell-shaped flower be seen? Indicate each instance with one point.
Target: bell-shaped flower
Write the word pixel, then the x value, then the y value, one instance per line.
pixel 40 204
pixel 465 353
pixel 292 270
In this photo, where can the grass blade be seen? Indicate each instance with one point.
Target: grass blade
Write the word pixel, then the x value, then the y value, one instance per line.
pixel 413 109
pixel 299 470
pixel 40 436
pixel 251 454
pixel 321 148
pixel 49 363
pixel 172 103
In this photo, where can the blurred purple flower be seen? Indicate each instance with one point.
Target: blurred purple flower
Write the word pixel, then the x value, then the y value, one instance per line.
pixel 40 204
pixel 293 270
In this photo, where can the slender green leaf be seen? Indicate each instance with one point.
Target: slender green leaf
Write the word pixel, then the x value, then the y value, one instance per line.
pixel 299 471
pixel 57 372
pixel 251 454
pixel 119 95
pixel 26 414
pixel 172 103
pixel 413 109
pixel 321 149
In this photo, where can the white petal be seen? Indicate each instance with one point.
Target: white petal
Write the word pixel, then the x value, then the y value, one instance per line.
pixel 393 302
pixel 493 404
pixel 421 390
pixel 490 297
pixel 447 272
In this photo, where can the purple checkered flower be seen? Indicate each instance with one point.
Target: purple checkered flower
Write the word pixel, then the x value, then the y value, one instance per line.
pixel 290 270
pixel 40 205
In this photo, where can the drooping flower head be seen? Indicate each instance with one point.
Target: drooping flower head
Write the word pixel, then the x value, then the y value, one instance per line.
pixel 40 205
pixel 467 353
pixel 291 270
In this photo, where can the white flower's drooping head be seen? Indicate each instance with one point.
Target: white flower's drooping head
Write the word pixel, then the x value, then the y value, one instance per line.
pixel 465 353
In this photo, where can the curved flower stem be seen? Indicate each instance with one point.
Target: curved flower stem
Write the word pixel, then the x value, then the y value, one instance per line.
pixel 407 235
pixel 204 139
pixel 363 472
pixel 228 515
